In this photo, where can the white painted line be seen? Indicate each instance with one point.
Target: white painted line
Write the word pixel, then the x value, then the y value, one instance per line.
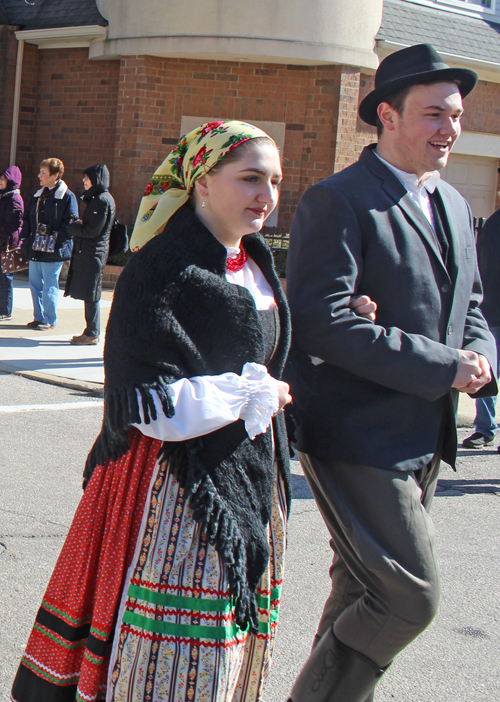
pixel 61 406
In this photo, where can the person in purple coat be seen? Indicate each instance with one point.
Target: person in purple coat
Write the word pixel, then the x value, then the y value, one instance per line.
pixel 11 219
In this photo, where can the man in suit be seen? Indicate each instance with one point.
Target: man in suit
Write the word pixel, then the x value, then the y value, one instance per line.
pixel 375 401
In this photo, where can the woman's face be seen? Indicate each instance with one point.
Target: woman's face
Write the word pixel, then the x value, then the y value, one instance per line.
pixel 241 196
pixel 87 183
pixel 47 180
pixel 3 182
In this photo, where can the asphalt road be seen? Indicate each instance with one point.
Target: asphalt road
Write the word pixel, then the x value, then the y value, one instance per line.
pixel 457 659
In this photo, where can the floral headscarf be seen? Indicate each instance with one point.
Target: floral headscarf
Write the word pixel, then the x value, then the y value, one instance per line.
pixel 172 183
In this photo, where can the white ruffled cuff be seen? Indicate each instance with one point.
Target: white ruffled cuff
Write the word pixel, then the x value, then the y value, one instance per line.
pixel 262 400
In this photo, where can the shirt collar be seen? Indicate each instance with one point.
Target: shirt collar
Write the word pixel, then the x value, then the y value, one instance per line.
pixel 410 180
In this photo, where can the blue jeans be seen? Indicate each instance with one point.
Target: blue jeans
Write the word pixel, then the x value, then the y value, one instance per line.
pixel 6 293
pixel 44 285
pixel 485 421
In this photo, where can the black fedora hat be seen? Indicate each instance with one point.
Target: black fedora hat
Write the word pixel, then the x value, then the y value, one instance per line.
pixel 412 66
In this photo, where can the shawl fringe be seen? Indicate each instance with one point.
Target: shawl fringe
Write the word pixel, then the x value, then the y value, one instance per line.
pixel 221 527
pixel 121 410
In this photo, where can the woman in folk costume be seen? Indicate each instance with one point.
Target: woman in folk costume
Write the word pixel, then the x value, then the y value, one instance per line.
pixel 168 585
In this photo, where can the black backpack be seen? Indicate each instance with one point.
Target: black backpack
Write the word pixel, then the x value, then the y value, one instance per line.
pixel 118 239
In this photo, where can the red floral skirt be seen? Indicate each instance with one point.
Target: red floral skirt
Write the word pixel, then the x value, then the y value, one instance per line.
pixel 67 655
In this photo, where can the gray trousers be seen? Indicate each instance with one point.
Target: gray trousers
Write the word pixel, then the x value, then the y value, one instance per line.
pixel 385 577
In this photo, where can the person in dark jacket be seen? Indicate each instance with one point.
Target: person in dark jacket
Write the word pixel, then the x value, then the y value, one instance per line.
pixel 11 219
pixel 46 241
pixel 488 253
pixel 90 250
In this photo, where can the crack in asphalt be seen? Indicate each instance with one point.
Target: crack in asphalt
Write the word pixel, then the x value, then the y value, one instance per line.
pixel 297 512
pixel 29 516
pixel 31 536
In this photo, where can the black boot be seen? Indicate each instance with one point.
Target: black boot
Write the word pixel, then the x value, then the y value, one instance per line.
pixel 336 673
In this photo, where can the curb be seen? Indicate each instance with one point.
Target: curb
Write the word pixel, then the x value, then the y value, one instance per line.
pixel 465 421
pixel 96 389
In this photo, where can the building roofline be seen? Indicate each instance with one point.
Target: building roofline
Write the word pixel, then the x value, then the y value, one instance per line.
pixel 63 37
pixel 487 70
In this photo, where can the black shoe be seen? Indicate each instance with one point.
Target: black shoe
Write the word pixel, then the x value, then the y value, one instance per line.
pixel 336 673
pixel 3 317
pixel 33 324
pixel 477 440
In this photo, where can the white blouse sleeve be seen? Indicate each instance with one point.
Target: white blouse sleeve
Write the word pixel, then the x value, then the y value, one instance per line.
pixel 206 403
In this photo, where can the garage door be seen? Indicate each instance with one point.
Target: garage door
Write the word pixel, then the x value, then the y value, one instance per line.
pixel 475 178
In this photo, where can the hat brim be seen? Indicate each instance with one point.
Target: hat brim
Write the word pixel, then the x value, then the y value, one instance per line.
pixel 368 106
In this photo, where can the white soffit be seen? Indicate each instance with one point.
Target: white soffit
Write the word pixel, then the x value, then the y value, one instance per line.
pixel 475 144
pixel 63 37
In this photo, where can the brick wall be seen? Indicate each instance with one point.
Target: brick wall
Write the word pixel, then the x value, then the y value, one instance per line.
pixel 155 94
pixel 8 56
pixel 364 133
pixel 482 109
pixel 68 110
pixel 127 113
pixel 482 114
pixel 141 111
pixel 26 138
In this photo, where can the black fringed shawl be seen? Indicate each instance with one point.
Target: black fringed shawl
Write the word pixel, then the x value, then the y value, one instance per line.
pixel 175 316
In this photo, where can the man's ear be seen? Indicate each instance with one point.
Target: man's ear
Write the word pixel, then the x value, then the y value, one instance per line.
pixel 386 114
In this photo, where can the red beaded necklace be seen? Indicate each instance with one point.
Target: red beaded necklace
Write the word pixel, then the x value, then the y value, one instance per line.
pixel 237 263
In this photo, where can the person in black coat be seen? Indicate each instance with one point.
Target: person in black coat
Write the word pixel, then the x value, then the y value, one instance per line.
pixel 11 219
pixel 46 241
pixel 488 253
pixel 90 250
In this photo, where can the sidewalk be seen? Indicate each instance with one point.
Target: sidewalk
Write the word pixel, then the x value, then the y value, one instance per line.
pixel 47 356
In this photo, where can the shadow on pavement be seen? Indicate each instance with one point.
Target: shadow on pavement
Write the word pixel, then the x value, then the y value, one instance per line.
pixel 477 452
pixel 300 488
pixel 451 488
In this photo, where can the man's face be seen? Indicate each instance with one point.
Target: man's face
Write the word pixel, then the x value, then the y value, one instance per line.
pixel 427 127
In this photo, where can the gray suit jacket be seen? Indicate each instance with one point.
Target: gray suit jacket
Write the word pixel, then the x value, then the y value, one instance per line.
pixel 381 395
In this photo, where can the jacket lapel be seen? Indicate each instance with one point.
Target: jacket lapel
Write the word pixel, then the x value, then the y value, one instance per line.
pixel 396 190
pixel 454 251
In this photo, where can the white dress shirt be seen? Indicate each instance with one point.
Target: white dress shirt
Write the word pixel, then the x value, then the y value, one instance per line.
pixel 418 190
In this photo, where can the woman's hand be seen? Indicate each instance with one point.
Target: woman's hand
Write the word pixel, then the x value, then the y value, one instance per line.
pixel 284 397
pixel 364 306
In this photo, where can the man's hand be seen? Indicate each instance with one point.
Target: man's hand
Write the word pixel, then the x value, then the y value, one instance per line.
pixel 363 306
pixel 473 372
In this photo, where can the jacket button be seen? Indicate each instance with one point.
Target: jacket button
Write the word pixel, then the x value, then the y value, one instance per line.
pixel 446 287
pixel 450 329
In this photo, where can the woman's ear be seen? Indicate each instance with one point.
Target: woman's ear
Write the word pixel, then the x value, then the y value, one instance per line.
pixel 201 185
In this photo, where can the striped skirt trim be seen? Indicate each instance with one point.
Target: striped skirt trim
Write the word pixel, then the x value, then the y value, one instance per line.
pixel 177 639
